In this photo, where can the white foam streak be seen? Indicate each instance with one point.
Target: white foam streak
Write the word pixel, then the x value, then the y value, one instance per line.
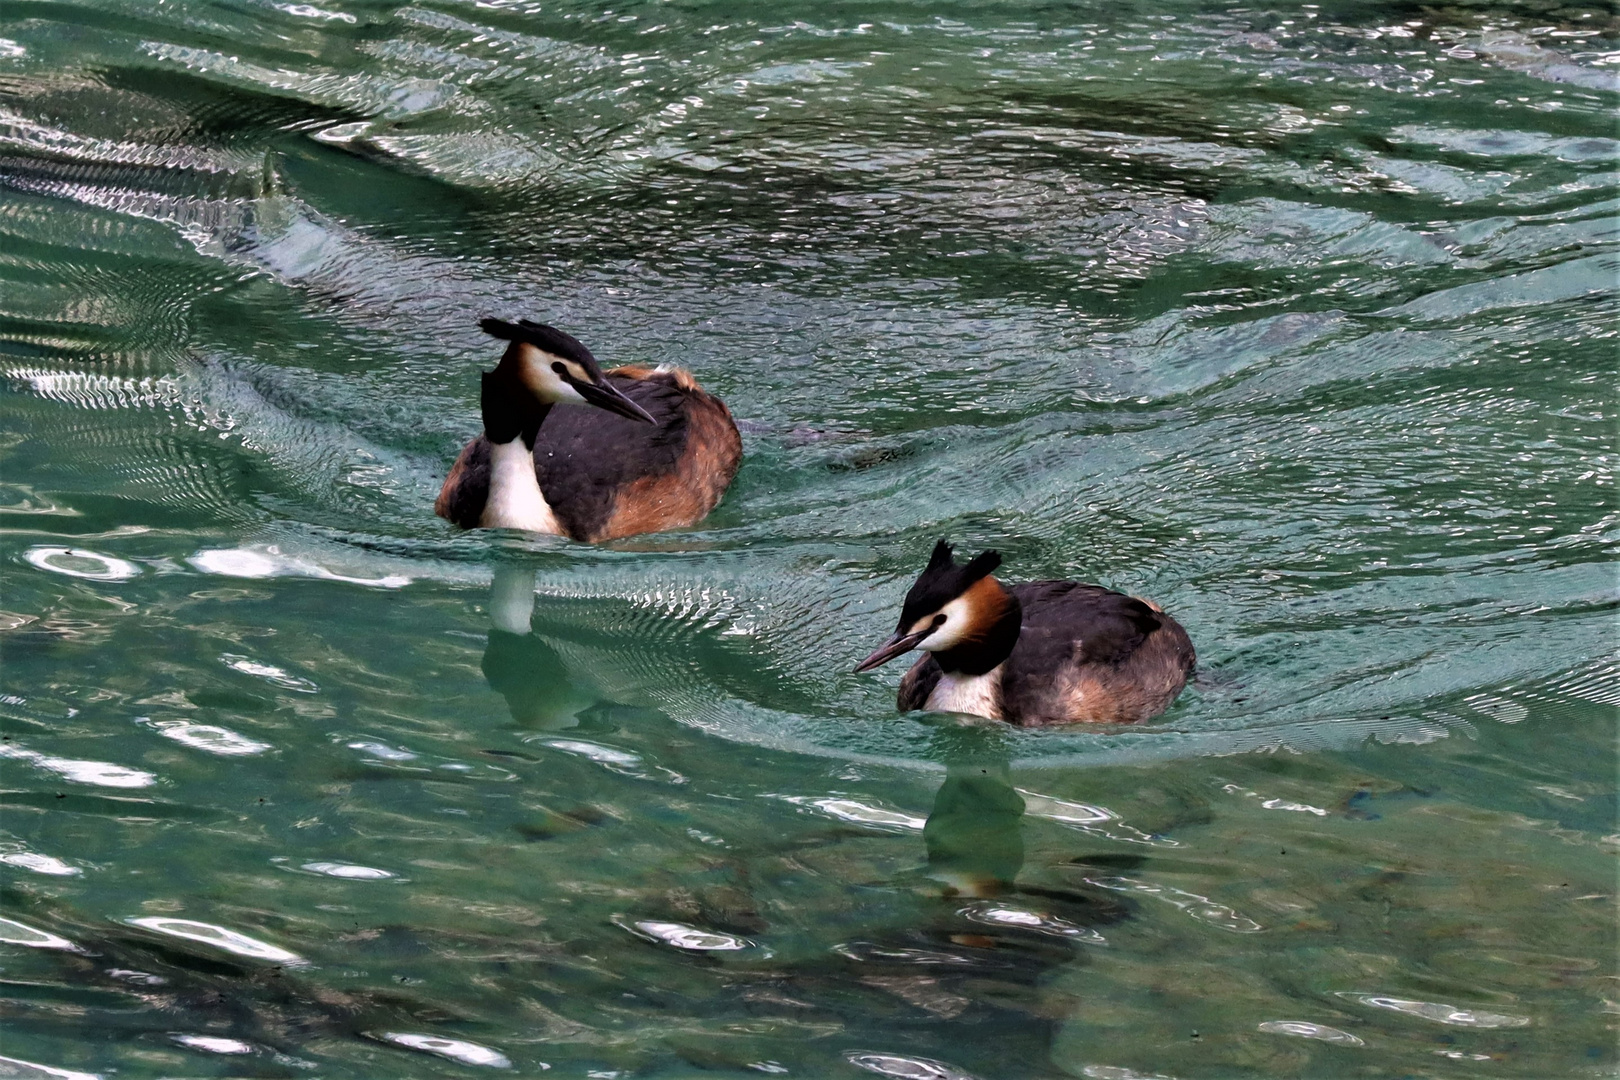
pixel 1088 818
pixel 855 811
pixel 1198 907
pixel 1440 1013
pixel 214 1044
pixel 682 936
pixel 16 933
pixel 81 563
pixel 39 864
pixel 468 1053
pixel 268 562
pixel 82 771
pixel 1306 1030
pixel 268 672
pixel 206 737
pixel 18 1069
pixel 349 871
pixel 905 1068
pixel 219 937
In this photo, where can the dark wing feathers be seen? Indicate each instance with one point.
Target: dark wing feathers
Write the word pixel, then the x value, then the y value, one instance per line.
pixel 918 683
pixel 1109 626
pixel 1089 654
pixel 584 456
pixel 466 489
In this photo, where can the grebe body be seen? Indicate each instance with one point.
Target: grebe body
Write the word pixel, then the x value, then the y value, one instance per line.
pixel 1045 652
pixel 657 453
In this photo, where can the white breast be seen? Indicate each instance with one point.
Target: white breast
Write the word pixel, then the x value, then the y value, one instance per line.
pixel 515 501
pixel 979 695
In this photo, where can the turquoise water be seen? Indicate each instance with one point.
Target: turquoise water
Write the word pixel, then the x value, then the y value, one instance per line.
pixel 1299 320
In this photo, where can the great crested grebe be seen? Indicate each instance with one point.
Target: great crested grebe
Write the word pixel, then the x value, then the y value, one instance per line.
pixel 661 462
pixel 1045 652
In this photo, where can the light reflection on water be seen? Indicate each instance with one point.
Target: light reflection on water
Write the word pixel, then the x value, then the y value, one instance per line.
pixel 1297 321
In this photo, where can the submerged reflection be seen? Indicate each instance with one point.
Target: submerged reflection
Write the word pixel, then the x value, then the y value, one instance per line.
pixel 519 665
pixel 975 844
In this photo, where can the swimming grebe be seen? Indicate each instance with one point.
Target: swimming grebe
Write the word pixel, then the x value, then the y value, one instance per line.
pixel 661 462
pixel 1046 652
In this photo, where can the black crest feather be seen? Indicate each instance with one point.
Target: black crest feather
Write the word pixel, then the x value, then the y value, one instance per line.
pixel 943 581
pixel 546 338
pixel 981 565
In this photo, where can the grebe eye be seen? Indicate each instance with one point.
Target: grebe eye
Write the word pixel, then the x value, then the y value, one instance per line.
pixel 939 620
pixel 559 369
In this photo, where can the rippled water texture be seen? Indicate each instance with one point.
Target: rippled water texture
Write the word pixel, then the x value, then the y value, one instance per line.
pixel 1300 321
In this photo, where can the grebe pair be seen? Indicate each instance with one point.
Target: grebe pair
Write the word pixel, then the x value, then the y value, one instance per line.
pixel 1045 652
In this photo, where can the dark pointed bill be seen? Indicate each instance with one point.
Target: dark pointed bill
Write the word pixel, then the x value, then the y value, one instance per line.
pixel 606 396
pixel 896 645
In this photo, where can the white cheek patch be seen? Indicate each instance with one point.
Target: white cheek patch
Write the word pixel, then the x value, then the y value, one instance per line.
pixel 958 620
pixel 546 384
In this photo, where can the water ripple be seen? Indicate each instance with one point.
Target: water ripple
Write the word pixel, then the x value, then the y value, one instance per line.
pixel 347 871
pixel 1441 1014
pixel 682 936
pixel 855 811
pixel 80 771
pixel 1306 1030
pixel 206 737
pixel 270 673
pixel 904 1067
pixel 995 914
pixel 1198 907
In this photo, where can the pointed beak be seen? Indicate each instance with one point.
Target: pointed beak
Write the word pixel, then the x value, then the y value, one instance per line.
pixel 606 396
pixel 899 643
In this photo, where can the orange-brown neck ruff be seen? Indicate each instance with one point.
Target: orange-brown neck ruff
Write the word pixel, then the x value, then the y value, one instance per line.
pixel 992 615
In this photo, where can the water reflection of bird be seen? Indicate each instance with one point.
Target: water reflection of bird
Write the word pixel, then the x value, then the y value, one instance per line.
pixel 1045 652
pixel 973 835
pixel 539 690
pixel 662 460
pixel 975 844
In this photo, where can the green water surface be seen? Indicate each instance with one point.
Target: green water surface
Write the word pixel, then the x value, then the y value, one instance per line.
pixel 1299 319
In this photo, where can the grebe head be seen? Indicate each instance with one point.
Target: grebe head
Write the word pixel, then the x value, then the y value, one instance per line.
pixel 557 369
pixel 948 606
